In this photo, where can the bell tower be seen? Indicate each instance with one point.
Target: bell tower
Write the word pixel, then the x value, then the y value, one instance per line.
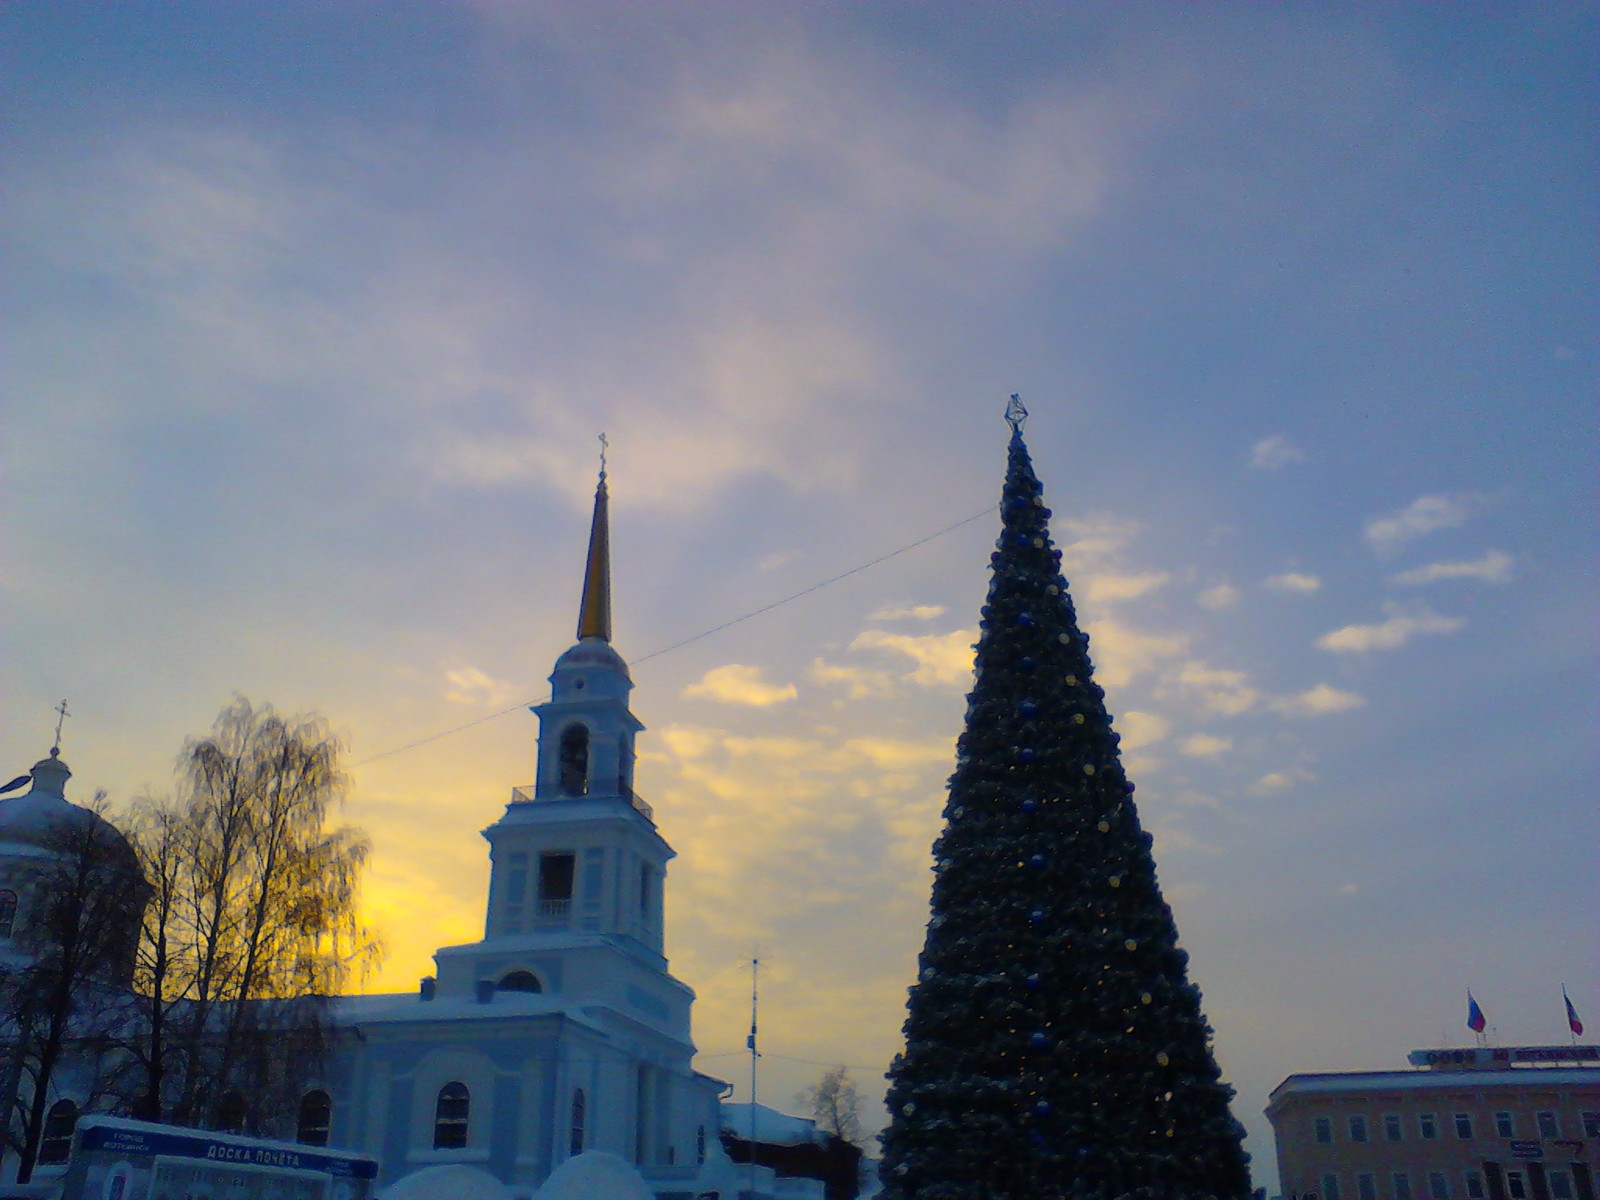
pixel 577 865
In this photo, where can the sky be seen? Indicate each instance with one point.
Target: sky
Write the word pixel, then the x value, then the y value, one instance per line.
pixel 312 314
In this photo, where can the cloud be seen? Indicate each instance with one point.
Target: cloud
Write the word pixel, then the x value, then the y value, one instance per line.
pixel 469 685
pixel 943 659
pixel 1140 729
pixel 1094 538
pixel 1121 653
pixel 1107 589
pixel 1274 453
pixel 913 612
pixel 862 682
pixel 736 683
pixel 1275 782
pixel 1424 515
pixel 1219 596
pixel 1220 690
pixel 1493 567
pixel 1292 582
pixel 1318 700
pixel 1399 629
pixel 781 558
pixel 1205 745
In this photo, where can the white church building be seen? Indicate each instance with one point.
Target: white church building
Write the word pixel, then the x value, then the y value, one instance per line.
pixel 560 1031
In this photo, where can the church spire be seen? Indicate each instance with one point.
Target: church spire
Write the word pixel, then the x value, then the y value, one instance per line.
pixel 594 613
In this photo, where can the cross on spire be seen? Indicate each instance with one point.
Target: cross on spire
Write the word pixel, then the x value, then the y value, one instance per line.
pixel 64 714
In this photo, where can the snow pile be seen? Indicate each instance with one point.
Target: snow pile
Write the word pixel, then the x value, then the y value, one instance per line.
pixel 595 1175
pixel 452 1182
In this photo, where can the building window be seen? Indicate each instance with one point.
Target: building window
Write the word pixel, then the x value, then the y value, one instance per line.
pixel 1560 1186
pixel 1474 1184
pixel 8 911
pixel 231 1113
pixel 579 1115
pixel 575 760
pixel 1438 1185
pixel 1591 1124
pixel 1330 1187
pixel 1516 1188
pixel 1366 1186
pixel 1427 1126
pixel 316 1115
pixel 1549 1127
pixel 1392 1128
pixel 519 981
pixel 556 873
pixel 1358 1129
pixel 644 891
pixel 450 1117
pixel 1464 1126
pixel 56 1142
pixel 1402 1186
pixel 624 762
pixel 1325 1130
pixel 700 1146
pixel 1503 1126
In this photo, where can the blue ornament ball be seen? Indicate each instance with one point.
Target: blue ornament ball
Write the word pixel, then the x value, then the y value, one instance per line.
pixel 1042 1108
pixel 1039 1040
pixel 1026 754
pixel 1027 663
pixel 1037 916
pixel 1037 862
pixel 1033 980
pixel 1030 805
pixel 1025 618
pixel 1028 708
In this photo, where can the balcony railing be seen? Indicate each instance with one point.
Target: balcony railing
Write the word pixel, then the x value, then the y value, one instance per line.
pixel 529 795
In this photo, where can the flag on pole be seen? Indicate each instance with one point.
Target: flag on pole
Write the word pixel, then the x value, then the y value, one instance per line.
pixel 1475 1021
pixel 1572 1016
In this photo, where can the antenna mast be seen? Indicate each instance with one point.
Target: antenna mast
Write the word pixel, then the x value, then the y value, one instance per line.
pixel 755 969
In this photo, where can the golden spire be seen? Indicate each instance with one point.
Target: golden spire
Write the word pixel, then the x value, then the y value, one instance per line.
pixel 594 613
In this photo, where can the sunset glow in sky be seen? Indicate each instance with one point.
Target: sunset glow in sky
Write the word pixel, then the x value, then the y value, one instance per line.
pixel 312 314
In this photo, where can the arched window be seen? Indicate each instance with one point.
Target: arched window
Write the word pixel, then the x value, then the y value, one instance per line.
pixel 519 981
pixel 450 1117
pixel 624 767
pixel 316 1116
pixel 700 1146
pixel 575 760
pixel 56 1143
pixel 231 1113
pixel 579 1115
pixel 8 911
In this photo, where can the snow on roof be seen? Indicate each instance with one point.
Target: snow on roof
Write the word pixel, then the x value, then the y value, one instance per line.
pixel 452 1181
pixel 1424 1080
pixel 772 1127
pixel 396 1007
pixel 594 1175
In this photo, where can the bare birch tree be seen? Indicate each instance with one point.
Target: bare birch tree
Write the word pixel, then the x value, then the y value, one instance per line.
pixel 835 1105
pixel 68 995
pixel 253 925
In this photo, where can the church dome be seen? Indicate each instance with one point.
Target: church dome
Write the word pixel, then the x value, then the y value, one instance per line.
pixel 40 816
pixel 590 653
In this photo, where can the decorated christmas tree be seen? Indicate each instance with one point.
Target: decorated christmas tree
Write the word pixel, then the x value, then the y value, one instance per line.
pixel 1054 1044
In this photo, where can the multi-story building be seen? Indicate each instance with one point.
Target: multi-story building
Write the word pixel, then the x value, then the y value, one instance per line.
pixel 1513 1123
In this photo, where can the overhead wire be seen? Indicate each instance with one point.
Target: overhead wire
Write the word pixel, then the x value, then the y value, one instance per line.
pixel 704 633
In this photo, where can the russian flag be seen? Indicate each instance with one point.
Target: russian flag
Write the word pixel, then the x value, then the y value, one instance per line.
pixel 1475 1021
pixel 1572 1016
